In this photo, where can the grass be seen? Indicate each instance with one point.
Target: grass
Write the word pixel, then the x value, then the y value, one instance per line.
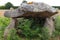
pixel 3 24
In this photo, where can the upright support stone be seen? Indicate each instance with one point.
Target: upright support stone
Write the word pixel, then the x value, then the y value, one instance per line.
pixel 10 26
pixel 50 25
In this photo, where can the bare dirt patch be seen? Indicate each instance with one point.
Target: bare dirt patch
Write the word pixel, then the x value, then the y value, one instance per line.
pixel 2 13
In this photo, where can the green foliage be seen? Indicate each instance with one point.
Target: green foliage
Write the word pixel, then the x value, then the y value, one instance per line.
pixel 57 23
pixel 3 23
pixel 24 1
pixel 2 7
pixel 30 29
pixel 45 34
pixel 15 7
pixel 57 26
pixel 12 35
pixel 8 5
pixel 57 7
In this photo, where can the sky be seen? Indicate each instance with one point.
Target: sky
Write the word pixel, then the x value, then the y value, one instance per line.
pixel 18 2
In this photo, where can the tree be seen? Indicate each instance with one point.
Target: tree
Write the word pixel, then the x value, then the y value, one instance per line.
pixel 8 5
pixel 24 1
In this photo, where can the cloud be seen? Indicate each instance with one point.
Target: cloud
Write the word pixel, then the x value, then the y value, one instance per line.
pixel 18 2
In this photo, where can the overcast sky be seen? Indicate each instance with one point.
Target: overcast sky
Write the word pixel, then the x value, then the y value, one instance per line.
pixel 18 2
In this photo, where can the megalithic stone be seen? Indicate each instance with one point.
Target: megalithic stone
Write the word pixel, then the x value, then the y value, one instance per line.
pixel 49 24
pixel 9 27
pixel 33 10
pixel 25 9
pixel 13 13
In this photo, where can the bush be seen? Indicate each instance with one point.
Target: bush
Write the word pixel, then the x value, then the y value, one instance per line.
pixel 33 30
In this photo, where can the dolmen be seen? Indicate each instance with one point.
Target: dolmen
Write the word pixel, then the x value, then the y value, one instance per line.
pixel 31 10
pixel 34 9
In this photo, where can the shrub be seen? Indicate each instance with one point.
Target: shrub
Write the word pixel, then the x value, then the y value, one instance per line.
pixel 33 30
